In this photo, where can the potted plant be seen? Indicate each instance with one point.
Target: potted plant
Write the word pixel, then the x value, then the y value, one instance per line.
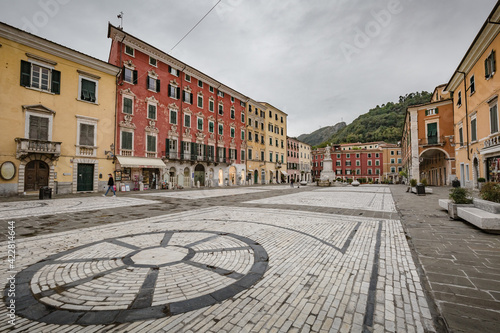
pixel 480 182
pixel 459 196
pixel 490 192
pixel 413 182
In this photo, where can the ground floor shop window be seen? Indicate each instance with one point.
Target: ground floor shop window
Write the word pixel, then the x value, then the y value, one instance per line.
pixel 493 164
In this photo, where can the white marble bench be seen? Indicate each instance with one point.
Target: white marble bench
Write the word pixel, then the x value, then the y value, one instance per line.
pixel 480 218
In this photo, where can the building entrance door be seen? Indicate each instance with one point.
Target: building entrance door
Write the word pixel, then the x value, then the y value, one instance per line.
pixel 36 175
pixel 85 179
pixel 199 175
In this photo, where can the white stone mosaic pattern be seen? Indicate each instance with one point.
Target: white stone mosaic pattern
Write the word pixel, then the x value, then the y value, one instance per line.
pixel 202 194
pixel 335 199
pixel 318 278
pixel 357 189
pixel 19 209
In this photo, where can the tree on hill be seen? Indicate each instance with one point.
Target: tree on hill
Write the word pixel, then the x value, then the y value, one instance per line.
pixel 382 123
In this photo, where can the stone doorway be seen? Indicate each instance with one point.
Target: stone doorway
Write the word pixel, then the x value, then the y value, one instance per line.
pixel 36 175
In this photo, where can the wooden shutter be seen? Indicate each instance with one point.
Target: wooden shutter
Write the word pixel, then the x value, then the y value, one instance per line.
pixel 126 140
pixel 56 82
pixel 493 62
pixel 426 112
pixel 86 135
pixel 25 73
pixel 169 90
pixel 194 153
pixel 178 90
pixel 39 128
pixel 191 98
pixel 134 77
pixel 127 105
pixel 147 82
pixel 158 85
pixel 437 110
pixel 167 147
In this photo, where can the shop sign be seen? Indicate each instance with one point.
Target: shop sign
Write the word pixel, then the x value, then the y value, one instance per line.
pixel 494 141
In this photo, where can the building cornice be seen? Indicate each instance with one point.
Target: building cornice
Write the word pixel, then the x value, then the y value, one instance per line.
pixel 484 38
pixel 433 104
pixel 44 45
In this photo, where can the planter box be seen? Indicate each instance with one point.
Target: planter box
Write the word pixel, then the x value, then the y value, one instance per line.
pixel 484 220
pixel 452 209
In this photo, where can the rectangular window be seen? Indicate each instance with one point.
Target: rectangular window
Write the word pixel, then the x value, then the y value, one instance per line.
pixel 242 155
pixel 377 155
pixel 187 77
pixel 188 97
pixel 211 126
pixel 187 120
pixel 200 124
pixel 393 161
pixel 220 93
pixel 127 105
pixel 472 85
pixel 174 71
pixel 270 141
pixel 129 75
pixel 211 106
pixel 152 111
pixel 473 127
pixel 211 89
pixel 432 135
pixel 494 119
pixel 129 50
pixel 270 156
pixel 40 77
pixel 221 109
pixel 399 160
pixel 87 134
pixel 490 65
pixel 200 101
pixel 151 144
pixel 88 90
pixel 152 61
pixel 200 84
pixel 242 135
pixel 173 91
pixel 127 139
pixel 153 84
pixel 357 155
pixel 250 154
pixel 369 163
pixel 242 117
pixel 459 99
pixel 377 162
pixel 221 129
pixel 173 117
pixel 250 137
pixel 461 136
pixel 232 114
pixel 39 128
pixel 232 99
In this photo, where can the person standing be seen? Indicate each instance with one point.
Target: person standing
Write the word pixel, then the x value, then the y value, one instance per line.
pixel 291 182
pixel 111 185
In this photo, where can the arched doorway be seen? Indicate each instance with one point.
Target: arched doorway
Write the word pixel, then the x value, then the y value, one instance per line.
pixel 199 175
pixel 36 175
pixel 221 177
pixel 232 175
pixel 263 176
pixel 211 177
pixel 187 178
pixel 171 176
pixel 431 161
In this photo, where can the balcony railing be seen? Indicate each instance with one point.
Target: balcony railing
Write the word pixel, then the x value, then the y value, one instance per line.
pixel 174 155
pixel 29 146
pixel 85 151
pixel 432 141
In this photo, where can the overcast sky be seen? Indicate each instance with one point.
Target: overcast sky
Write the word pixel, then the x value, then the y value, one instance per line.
pixel 320 61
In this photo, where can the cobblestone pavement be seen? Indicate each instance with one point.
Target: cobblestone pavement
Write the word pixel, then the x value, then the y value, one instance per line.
pixel 252 260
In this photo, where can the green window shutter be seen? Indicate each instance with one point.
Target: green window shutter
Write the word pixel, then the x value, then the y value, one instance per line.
pixel 493 62
pixel 426 112
pixel 126 140
pixel 167 147
pixel 158 85
pixel 25 73
pixel 437 110
pixel 178 92
pixel 193 151
pixel 127 105
pixel 235 154
pixel 151 111
pixel 134 80
pixel 486 75
pixel 169 91
pixel 86 135
pixel 147 82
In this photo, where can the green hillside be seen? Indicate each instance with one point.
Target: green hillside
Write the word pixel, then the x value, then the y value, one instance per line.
pixel 382 123
pixel 321 135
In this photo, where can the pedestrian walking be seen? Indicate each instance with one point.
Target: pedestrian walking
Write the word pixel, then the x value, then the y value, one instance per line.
pixel 111 185
pixel 291 182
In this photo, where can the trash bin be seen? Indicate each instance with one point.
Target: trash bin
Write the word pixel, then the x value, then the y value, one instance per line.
pixel 420 189
pixel 455 183
pixel 45 192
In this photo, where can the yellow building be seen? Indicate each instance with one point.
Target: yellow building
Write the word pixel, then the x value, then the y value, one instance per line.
pixel 276 162
pixel 392 162
pixel 256 148
pixel 58 116
pixel 305 162
pixel 475 87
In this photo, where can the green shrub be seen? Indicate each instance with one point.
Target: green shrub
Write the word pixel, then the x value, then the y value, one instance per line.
pixel 490 191
pixel 481 180
pixel 424 181
pixel 460 195
pixel 349 180
pixel 413 182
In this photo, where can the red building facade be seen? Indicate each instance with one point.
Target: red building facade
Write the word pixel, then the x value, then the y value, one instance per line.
pixel 175 125
pixel 352 161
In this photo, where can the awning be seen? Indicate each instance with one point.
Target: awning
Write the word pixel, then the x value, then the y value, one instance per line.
pixel 284 173
pixel 140 162
pixel 250 170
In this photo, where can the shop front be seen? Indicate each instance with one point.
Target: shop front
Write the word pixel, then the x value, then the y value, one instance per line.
pixel 491 158
pixel 138 173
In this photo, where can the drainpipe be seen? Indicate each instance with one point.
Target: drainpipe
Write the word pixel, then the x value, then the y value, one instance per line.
pixel 466 113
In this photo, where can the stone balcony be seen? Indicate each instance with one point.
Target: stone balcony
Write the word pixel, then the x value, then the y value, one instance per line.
pixel 31 146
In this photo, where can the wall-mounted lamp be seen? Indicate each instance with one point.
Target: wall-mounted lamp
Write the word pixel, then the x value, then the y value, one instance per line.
pixel 110 153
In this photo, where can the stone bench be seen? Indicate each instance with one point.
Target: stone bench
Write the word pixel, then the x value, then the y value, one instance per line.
pixel 480 218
